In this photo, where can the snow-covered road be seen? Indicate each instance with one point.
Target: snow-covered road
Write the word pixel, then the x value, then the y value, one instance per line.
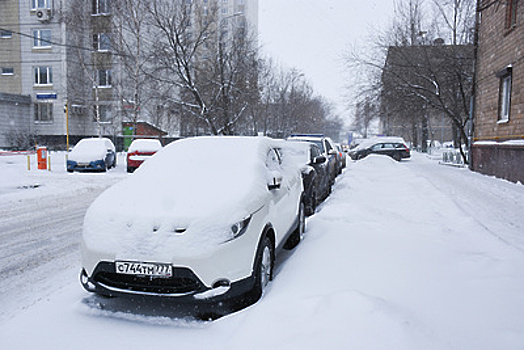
pixel 410 255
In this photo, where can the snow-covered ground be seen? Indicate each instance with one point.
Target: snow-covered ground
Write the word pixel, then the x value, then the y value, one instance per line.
pixel 410 255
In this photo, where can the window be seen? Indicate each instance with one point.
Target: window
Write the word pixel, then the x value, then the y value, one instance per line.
pixel 101 7
pixel 43 76
pixel 103 78
pixel 101 42
pixel 511 13
pixel 42 38
pixel 43 112
pixel 6 34
pixel 41 4
pixel 102 113
pixel 7 71
pixel 505 95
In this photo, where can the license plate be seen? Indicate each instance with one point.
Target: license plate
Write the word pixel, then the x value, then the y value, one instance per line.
pixel 144 269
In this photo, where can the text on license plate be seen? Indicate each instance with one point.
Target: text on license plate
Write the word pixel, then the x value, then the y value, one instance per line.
pixel 145 269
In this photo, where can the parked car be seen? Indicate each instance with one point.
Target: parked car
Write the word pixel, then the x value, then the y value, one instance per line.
pixel 327 147
pixel 341 156
pixel 395 147
pixel 92 154
pixel 202 220
pixel 315 173
pixel 139 151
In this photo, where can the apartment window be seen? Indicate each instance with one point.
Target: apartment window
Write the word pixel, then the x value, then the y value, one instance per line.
pixel 505 94
pixel 101 7
pixel 6 34
pixel 101 42
pixel 43 112
pixel 7 71
pixel 42 38
pixel 103 78
pixel 103 112
pixel 511 13
pixel 41 4
pixel 43 75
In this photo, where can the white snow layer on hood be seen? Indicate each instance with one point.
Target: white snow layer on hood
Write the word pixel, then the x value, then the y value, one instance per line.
pixel 183 201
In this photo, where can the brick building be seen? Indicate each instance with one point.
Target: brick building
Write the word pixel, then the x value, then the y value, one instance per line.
pixel 498 147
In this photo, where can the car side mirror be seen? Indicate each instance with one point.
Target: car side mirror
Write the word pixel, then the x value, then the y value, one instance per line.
pixel 276 181
pixel 319 159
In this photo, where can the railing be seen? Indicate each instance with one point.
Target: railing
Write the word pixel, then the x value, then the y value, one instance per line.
pixel 453 157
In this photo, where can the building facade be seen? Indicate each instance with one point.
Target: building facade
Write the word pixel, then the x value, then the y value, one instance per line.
pixel 66 56
pixel 498 147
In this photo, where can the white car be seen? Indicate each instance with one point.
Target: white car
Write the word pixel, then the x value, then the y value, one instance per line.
pixel 201 220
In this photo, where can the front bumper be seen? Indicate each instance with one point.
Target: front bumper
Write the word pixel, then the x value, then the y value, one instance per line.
pixel 98 165
pixel 184 285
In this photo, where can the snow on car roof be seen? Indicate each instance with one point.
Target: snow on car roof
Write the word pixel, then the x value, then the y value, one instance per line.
pixel 198 185
pixel 145 145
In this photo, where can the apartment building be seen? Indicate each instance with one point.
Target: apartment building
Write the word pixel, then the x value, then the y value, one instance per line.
pixel 498 147
pixel 61 55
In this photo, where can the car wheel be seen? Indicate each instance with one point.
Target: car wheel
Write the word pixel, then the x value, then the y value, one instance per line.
pixel 312 204
pixel 264 267
pixel 298 234
pixel 397 157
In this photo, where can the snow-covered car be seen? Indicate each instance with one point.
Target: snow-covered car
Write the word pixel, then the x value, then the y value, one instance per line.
pixel 201 220
pixel 92 154
pixel 327 147
pixel 315 172
pixel 395 147
pixel 139 151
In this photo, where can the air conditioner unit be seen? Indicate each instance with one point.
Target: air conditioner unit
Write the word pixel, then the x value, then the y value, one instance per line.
pixel 43 15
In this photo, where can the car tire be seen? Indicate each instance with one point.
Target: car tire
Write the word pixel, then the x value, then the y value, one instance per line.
pixel 312 204
pixel 397 157
pixel 263 271
pixel 298 235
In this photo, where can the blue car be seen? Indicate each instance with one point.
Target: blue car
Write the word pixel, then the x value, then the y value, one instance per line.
pixel 92 154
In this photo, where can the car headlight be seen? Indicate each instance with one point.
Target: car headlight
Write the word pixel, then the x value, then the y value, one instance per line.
pixel 239 228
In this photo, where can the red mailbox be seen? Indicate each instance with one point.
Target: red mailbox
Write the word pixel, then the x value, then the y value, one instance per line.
pixel 41 156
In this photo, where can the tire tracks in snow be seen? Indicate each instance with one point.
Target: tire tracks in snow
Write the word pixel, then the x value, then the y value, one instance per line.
pixel 40 238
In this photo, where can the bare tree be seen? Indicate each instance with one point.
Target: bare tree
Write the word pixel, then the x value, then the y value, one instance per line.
pixel 210 71
pixel 420 76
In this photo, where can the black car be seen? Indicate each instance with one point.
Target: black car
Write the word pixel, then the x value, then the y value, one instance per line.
pixel 327 148
pixel 315 175
pixel 395 147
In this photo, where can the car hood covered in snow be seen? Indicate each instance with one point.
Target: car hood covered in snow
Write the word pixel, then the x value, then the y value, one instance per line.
pixel 184 199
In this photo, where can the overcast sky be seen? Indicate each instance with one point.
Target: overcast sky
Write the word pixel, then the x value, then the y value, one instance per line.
pixel 312 35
